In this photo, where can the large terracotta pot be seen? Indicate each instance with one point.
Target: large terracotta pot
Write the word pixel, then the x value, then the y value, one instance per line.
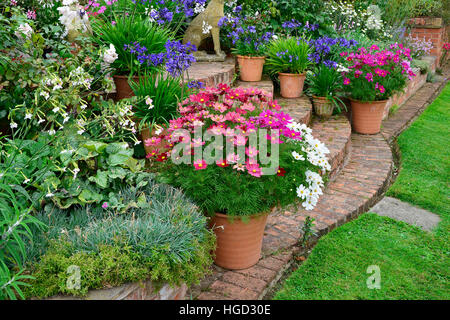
pixel 323 107
pixel 251 68
pixel 123 89
pixel 238 243
pixel 291 84
pixel 367 116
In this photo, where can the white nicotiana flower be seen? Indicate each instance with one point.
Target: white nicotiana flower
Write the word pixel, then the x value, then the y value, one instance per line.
pixel 45 94
pixel 24 29
pixel 83 106
pixel 55 109
pixel 28 116
pixel 80 132
pixel 110 55
pixel 26 180
pixel 13 125
pixel 75 172
pixel 206 28
pixel 51 132
pixel 149 102
pixel 199 8
pixel 49 195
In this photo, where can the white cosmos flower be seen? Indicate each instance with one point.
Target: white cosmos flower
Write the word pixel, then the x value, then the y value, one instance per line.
pixel 302 191
pixel 297 156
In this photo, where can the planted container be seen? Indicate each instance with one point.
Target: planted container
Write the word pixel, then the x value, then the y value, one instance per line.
pixel 323 107
pixel 251 68
pixel 291 84
pixel 123 89
pixel 367 116
pixel 239 242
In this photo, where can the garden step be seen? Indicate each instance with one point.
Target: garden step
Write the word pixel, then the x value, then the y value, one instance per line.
pixel 336 134
pixel 212 73
pixel 265 84
pixel 299 108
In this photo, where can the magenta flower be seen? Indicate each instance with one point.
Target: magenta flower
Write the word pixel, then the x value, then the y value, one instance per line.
pixel 369 77
pixel 152 141
pixel 200 164
pixel 31 14
pixel 346 81
pixel 105 205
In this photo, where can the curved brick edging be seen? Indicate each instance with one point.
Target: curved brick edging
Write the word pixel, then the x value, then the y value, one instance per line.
pixel 298 108
pixel 357 187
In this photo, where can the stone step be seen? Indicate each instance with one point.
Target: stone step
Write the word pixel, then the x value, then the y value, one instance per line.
pixel 265 84
pixel 299 108
pixel 212 73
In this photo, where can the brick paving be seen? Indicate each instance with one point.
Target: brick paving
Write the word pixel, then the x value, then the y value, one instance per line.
pixel 361 172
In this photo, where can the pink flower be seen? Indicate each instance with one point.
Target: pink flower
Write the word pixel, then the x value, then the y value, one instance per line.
pixel 105 205
pixel 233 158
pixel 369 77
pixel 254 169
pixel 200 164
pixel 346 81
pixel 197 142
pixel 31 14
pixel 152 141
pixel 251 151
pixel 240 140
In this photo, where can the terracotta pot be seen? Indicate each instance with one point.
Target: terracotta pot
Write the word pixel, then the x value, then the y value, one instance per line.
pixel 147 134
pixel 323 107
pixel 291 84
pixel 367 116
pixel 123 89
pixel 251 68
pixel 238 243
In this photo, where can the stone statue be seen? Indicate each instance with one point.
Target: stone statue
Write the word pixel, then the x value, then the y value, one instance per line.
pixel 202 27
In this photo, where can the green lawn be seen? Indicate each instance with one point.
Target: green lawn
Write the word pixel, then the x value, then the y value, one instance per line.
pixel 414 264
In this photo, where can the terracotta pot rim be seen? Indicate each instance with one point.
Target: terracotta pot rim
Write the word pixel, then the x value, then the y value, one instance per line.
pixel 292 74
pixel 368 102
pixel 320 98
pixel 250 57
pixel 256 215
pixel 125 77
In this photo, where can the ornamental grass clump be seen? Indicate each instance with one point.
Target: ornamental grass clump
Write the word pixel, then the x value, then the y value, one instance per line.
pixel 233 151
pixel 161 236
pixel 374 74
pixel 288 55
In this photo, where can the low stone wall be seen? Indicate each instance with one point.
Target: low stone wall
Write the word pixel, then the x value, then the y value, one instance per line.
pixel 144 290
pixel 415 84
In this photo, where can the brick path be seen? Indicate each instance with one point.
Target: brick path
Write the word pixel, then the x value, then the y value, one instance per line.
pixel 361 172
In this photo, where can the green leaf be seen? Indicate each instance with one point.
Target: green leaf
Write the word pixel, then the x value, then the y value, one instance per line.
pixel 101 179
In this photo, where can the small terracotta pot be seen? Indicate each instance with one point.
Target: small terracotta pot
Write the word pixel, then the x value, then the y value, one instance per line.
pixel 251 68
pixel 291 84
pixel 367 116
pixel 323 107
pixel 238 243
pixel 147 134
pixel 123 89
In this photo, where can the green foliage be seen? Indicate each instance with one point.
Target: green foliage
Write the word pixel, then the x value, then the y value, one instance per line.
pixel 164 91
pixel 325 82
pixel 288 55
pixel 15 223
pixel 427 8
pixel 413 264
pixel 235 193
pixel 161 236
pixel 425 166
pixel 73 171
pixel 126 31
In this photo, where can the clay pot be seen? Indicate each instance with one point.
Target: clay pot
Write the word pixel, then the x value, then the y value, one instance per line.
pixel 251 68
pixel 123 89
pixel 291 84
pixel 238 243
pixel 367 116
pixel 147 134
pixel 323 107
